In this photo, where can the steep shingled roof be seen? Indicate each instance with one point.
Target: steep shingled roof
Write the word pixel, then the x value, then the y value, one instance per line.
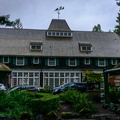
pixel 59 25
pixel 16 42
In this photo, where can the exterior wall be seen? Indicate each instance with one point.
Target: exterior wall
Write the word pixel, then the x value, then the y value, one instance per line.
pixel 42 74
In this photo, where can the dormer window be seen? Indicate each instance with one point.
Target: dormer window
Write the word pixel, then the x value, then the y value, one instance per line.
pixel 85 47
pixel 59 34
pixel 36 46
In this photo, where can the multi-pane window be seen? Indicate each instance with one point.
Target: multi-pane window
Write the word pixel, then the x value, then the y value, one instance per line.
pixel 19 61
pixel 101 62
pixel 59 34
pixel 36 60
pixel 25 78
pixel 114 61
pixel 5 59
pixel 56 78
pixel 86 48
pixel 51 62
pixel 35 46
pixel 72 62
pixel 87 61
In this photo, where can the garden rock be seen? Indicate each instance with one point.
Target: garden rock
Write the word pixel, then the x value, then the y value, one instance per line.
pixel 5 117
pixel 39 116
pixel 51 116
pixel 105 116
pixel 67 115
pixel 25 116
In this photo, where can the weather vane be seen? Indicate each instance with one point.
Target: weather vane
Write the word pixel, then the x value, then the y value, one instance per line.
pixel 58 9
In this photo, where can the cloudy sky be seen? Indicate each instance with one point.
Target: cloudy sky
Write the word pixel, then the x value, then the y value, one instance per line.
pixel 80 15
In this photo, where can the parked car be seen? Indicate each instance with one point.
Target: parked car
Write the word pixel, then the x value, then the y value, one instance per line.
pixel 82 87
pixel 30 88
pixel 2 87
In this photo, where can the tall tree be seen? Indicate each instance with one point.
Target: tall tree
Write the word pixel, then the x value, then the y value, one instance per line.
pixel 4 20
pixel 117 27
pixel 97 28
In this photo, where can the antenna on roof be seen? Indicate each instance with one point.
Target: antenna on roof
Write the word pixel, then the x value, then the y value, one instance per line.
pixel 58 9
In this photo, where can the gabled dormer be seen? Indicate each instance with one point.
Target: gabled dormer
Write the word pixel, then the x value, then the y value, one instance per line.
pixel 59 28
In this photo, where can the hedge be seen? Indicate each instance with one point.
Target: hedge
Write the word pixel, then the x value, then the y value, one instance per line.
pixel 44 104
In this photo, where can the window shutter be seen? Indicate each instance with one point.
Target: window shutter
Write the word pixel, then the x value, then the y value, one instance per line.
pixel 2 59
pixel 78 62
pixel 14 61
pixel 9 60
pixel 67 62
pixel 107 62
pixel 26 61
pixel 96 62
pixel 46 62
pixel 39 60
pixel 57 62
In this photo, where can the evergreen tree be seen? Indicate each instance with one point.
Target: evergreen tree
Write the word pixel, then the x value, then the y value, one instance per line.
pixel 117 27
pixel 97 28
pixel 4 20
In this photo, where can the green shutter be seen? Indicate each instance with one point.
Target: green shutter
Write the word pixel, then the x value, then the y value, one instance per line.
pixel 57 62
pixel 66 61
pixel 107 63
pixel 96 62
pixel 9 60
pixel 32 60
pixel 26 61
pixel 39 60
pixel 90 61
pixel 14 61
pixel 46 61
pixel 2 59
pixel 78 62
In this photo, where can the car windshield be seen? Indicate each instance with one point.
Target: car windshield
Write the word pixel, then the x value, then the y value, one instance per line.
pixel 64 85
pixel 13 88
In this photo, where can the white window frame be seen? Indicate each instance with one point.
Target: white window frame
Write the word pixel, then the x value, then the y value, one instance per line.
pixel 86 48
pixel 70 60
pixel 60 77
pixel 60 34
pixel 36 60
pixel 5 61
pixel 99 64
pixel 50 61
pixel 20 77
pixel 85 61
pixel 114 61
pixel 22 61
pixel 36 47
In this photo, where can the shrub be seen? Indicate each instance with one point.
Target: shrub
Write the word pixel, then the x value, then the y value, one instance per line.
pixel 71 96
pixel 115 96
pixel 47 89
pixel 45 104
pixel 80 101
pixel 66 115
pixel 13 103
pixel 51 115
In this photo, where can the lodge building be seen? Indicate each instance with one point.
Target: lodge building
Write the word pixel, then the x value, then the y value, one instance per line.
pixel 56 55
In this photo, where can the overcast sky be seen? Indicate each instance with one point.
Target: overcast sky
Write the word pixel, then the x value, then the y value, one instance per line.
pixel 81 15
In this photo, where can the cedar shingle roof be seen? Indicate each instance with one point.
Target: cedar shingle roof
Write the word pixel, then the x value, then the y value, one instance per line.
pixel 59 25
pixel 16 42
